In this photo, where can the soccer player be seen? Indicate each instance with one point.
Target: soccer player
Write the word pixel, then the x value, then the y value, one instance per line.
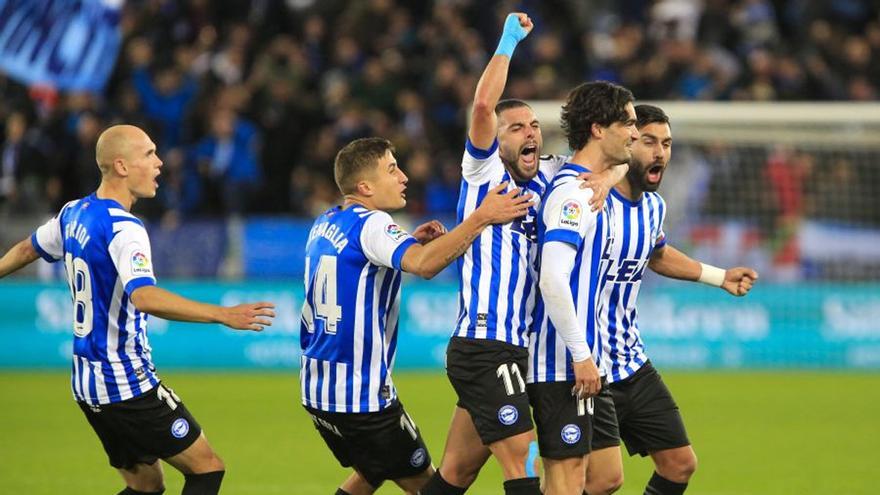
pixel 487 356
pixel 354 259
pixel 599 122
pixel 106 252
pixel 640 409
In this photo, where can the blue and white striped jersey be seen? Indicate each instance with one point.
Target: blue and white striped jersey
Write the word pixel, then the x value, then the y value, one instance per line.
pixel 497 274
pixel 637 231
pixel 566 217
pixel 107 255
pixel 348 331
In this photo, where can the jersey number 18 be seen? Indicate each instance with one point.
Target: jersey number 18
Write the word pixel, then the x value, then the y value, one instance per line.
pixel 80 282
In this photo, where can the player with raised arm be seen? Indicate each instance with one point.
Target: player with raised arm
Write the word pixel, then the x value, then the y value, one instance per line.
pixel 106 253
pixel 598 120
pixel 487 356
pixel 355 257
pixel 640 409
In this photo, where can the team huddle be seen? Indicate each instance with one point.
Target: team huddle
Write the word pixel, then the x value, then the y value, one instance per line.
pixel 546 348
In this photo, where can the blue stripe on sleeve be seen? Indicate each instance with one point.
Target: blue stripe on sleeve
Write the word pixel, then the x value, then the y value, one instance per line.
pixel 397 257
pixel 43 254
pixel 137 283
pixel 480 154
pixel 564 235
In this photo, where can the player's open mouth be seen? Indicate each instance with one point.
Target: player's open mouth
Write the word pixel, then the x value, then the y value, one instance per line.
pixel 529 155
pixel 655 173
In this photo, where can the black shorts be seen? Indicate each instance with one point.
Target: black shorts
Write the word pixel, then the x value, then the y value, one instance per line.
pixel 605 430
pixel 383 445
pixel 647 416
pixel 488 377
pixel 151 426
pixel 564 422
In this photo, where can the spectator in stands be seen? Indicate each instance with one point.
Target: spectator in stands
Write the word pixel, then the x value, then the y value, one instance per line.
pixel 22 166
pixel 294 68
pixel 164 96
pixel 228 160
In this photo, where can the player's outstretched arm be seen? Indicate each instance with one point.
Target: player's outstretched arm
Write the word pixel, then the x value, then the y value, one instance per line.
pixel 18 257
pixel 170 306
pixel 672 263
pixel 557 265
pixel 427 260
pixel 482 128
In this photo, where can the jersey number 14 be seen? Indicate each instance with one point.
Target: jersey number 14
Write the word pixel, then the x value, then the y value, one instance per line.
pixel 324 294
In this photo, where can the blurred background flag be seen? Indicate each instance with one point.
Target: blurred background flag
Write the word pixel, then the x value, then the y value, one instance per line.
pixel 60 43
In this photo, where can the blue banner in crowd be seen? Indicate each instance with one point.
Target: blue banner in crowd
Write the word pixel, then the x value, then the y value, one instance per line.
pixel 68 44
pixel 684 326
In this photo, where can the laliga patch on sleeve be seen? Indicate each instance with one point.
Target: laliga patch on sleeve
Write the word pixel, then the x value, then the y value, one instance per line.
pixel 395 232
pixel 570 214
pixel 140 264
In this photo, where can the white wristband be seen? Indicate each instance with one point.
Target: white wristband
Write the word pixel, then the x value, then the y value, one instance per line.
pixel 711 275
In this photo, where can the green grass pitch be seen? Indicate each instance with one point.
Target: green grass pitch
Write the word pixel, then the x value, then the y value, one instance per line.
pixel 754 433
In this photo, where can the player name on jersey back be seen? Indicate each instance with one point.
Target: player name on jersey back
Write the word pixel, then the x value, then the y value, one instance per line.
pixel 332 233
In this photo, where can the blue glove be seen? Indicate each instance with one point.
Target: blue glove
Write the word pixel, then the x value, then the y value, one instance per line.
pixel 512 35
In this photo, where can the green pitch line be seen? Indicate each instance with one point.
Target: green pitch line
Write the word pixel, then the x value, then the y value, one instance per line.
pixel 754 433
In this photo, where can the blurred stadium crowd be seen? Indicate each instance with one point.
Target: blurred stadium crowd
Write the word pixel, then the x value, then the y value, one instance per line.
pixel 249 101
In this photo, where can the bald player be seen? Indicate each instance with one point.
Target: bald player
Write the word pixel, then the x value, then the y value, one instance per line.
pixel 106 253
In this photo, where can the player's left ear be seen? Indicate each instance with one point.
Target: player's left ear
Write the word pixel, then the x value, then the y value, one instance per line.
pixel 597 130
pixel 120 167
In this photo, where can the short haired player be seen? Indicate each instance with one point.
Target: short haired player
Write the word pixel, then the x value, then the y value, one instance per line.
pixel 106 253
pixel 355 257
pixel 565 372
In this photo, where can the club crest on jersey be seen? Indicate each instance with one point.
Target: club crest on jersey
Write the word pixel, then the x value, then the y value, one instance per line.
pixel 395 232
pixel 418 457
pixel 570 216
pixel 571 434
pixel 508 415
pixel 180 428
pixel 140 264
